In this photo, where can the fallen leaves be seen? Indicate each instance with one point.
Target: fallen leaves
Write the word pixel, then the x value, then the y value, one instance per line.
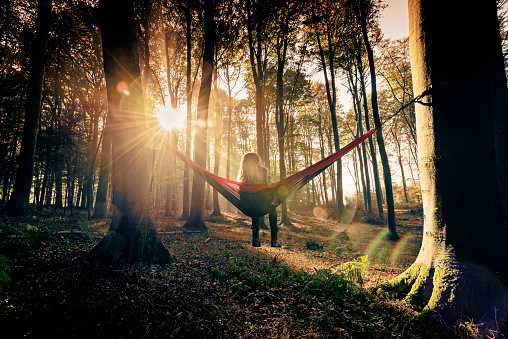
pixel 220 287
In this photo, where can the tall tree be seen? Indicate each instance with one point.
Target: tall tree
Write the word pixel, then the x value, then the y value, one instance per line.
pixel 462 160
pixel 101 201
pixel 188 91
pixel 217 144
pixel 286 25
pixel 231 76
pixel 362 152
pixel 132 237
pixel 327 25
pixel 198 184
pixel 18 203
pixel 362 9
pixel 257 17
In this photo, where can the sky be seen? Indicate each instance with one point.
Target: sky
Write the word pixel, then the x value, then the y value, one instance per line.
pixel 394 25
pixel 395 22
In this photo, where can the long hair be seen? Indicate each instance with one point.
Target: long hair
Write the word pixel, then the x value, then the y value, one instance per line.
pixel 251 170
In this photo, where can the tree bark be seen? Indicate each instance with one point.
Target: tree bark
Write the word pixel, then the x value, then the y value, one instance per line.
pixel 101 201
pixel 387 176
pixel 186 174
pixel 217 146
pixel 198 184
pixel 132 237
pixel 19 201
pixel 332 102
pixel 280 122
pixel 256 63
pixel 375 171
pixel 462 262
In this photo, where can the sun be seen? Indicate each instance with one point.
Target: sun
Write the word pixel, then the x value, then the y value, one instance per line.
pixel 169 118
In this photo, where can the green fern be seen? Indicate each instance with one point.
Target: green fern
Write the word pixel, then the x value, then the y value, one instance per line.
pixel 355 270
pixel 327 284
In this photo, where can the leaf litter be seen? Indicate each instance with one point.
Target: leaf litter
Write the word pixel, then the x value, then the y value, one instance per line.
pixel 219 287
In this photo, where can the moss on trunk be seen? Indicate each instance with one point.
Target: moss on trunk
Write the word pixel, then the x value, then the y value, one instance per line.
pixel 452 292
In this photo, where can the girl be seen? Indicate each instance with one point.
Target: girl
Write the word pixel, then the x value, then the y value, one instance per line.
pixel 251 171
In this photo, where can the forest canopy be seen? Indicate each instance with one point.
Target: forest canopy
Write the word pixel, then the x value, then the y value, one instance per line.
pixel 300 40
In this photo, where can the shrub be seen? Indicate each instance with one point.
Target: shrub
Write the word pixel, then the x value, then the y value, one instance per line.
pixel 22 240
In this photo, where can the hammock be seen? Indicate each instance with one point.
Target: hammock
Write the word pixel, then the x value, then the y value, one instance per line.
pixel 257 200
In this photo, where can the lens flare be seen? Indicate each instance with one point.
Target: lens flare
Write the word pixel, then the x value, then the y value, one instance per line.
pixel 201 123
pixel 404 243
pixel 376 245
pixel 123 88
pixel 319 213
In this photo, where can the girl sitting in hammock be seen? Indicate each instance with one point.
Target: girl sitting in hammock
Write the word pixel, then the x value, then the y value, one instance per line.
pixel 251 171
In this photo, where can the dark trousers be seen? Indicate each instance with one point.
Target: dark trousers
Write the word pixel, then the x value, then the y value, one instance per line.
pixel 272 217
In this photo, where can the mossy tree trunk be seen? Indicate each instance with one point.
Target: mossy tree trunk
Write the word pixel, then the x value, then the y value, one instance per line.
pixel 132 237
pixel 462 159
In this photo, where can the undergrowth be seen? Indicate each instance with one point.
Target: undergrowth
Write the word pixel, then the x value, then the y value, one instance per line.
pixel 250 274
pixel 217 289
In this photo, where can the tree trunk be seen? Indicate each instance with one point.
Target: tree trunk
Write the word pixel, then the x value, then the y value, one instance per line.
pixel 230 111
pixel 362 153
pixel 198 184
pixel 463 178
pixel 375 171
pixel 322 148
pixel 132 237
pixel 399 157
pixel 168 168
pixel 93 151
pixel 101 200
pixel 332 102
pixel 217 146
pixel 44 183
pixel 279 119
pixel 256 63
pixel 387 176
pixel 186 174
pixel 19 201
pixel 57 138
pixel 7 178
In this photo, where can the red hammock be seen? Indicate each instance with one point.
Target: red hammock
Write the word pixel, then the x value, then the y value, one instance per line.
pixel 256 200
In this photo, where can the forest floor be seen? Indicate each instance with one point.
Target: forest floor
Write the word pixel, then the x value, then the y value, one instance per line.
pixel 219 286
